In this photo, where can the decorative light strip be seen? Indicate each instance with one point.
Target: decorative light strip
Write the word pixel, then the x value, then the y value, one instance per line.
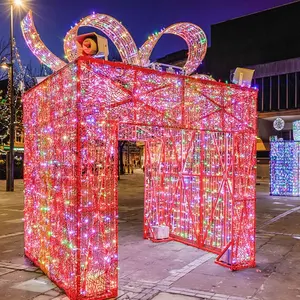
pixel 193 35
pixel 113 29
pixel 36 45
pixel 203 77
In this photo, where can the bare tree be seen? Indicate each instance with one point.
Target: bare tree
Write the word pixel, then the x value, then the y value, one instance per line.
pixel 24 79
pixel 32 73
pixel 4 56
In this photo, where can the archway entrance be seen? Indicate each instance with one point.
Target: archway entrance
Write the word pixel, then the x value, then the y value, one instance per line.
pixel 199 171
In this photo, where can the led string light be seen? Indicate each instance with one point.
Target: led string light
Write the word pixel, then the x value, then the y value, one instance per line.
pixel 203 76
pixel 36 45
pixel 113 29
pixel 193 35
pixel 199 169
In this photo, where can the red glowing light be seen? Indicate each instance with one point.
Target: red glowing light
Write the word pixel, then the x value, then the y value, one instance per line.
pixel 200 139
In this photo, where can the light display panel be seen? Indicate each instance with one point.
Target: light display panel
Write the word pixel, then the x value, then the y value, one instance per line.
pixel 200 146
pixel 285 168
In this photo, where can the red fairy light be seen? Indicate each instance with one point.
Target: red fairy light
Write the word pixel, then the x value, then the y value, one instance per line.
pixel 200 145
pixel 193 35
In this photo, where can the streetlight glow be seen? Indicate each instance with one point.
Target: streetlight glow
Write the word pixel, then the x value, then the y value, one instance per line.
pixel 18 2
pixel 4 66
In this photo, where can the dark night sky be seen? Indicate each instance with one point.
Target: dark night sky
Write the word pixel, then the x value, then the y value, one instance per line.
pixel 53 18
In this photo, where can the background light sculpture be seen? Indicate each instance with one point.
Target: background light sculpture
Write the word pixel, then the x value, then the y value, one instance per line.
pixel 278 124
pixel 285 168
pixel 200 139
pixel 296 131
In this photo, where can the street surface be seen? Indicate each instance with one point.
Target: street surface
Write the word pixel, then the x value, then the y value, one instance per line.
pixel 166 271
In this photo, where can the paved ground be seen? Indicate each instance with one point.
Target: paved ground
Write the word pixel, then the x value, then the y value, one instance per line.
pixel 166 271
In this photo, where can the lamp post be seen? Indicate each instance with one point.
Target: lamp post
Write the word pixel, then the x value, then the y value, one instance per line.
pixel 10 158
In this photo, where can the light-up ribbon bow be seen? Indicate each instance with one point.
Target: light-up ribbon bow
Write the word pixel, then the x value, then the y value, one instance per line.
pixel 193 35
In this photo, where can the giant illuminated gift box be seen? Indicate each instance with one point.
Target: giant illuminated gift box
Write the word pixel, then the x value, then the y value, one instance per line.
pixel 285 168
pixel 200 145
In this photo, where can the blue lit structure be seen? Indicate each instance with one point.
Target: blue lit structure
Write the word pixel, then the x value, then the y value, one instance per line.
pixel 285 168
pixel 296 130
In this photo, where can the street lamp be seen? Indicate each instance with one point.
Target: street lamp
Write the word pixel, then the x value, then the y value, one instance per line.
pixel 10 160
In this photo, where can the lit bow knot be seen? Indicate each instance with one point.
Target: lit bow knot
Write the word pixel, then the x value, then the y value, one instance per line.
pixel 193 35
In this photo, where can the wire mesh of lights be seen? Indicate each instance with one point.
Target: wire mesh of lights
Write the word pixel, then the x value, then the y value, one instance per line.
pixel 200 141
pixel 193 35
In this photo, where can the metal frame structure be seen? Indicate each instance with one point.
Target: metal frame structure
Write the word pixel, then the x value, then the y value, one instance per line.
pixel 200 139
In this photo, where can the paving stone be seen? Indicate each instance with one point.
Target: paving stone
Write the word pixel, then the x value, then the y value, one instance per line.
pixel 5 271
pixel 13 266
pixel 19 276
pixel 52 293
pixel 133 289
pixel 7 293
pixel 43 297
pixel 40 285
pixel 203 283
pixel 240 284
pixel 205 295
pixel 189 293
pixel 210 268
pixel 57 289
pixel 160 288
pixel 166 283
pixel 147 297
pixel 126 296
pixel 139 296
pixel 169 296
pixel 182 290
pixel 279 286
pixel 221 296
pixel 32 269
pixel 148 285
pixel 120 293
